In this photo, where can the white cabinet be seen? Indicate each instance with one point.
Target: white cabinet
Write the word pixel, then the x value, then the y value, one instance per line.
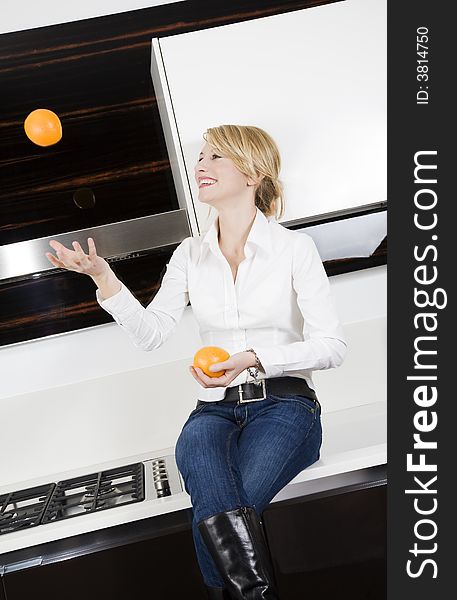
pixel 315 79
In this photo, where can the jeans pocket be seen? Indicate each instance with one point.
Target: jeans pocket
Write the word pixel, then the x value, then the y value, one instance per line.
pixel 304 401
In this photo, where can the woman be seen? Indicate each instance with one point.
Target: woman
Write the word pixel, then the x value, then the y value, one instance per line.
pixel 258 290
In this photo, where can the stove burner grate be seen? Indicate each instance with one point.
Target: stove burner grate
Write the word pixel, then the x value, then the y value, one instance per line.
pixel 71 497
pixel 97 491
pixel 24 508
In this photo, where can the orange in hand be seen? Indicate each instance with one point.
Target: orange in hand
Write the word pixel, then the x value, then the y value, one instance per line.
pixel 210 355
pixel 43 127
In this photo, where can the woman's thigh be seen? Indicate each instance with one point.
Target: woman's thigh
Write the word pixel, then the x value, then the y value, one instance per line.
pixel 276 445
pixel 208 458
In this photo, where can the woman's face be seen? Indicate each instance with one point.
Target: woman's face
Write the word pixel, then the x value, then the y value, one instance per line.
pixel 218 179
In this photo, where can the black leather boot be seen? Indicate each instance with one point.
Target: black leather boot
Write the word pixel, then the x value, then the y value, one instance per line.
pixel 237 544
pixel 217 593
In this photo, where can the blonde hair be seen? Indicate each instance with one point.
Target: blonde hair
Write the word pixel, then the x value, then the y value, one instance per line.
pixel 254 153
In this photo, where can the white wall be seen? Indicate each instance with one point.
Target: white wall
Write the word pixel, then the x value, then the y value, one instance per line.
pixel 89 396
pixel 315 79
pixel 17 15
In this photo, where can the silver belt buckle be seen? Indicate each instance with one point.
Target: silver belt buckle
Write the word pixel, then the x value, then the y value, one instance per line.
pixel 241 392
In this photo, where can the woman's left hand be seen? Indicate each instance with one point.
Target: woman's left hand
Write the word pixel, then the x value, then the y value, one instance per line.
pixel 233 367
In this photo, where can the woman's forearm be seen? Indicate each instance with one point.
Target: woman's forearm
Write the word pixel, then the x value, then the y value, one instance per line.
pixel 148 327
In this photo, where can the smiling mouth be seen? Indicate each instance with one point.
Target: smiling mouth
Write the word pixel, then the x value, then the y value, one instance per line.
pixel 201 185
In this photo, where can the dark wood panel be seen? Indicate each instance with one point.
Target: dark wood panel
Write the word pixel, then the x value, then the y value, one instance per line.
pixel 95 74
pixel 65 301
pixel 345 265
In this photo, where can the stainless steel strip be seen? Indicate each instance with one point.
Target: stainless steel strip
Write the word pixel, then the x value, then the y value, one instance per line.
pixel 172 136
pixel 115 240
pixel 336 215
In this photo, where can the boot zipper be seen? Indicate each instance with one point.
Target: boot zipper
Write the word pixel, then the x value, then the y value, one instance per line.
pixel 244 511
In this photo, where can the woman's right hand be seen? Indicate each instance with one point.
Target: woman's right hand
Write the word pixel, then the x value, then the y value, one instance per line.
pixel 76 260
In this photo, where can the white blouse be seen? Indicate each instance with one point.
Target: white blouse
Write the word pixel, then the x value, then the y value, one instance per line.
pixel 280 303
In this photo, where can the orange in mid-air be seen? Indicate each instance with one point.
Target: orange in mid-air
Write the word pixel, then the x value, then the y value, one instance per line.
pixel 210 355
pixel 43 127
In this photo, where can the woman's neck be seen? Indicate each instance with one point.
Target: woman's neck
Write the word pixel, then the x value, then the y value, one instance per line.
pixel 234 230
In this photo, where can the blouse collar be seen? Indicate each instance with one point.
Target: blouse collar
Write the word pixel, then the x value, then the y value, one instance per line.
pixel 259 235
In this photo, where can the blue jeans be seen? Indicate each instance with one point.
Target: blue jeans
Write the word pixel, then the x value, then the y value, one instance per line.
pixel 232 455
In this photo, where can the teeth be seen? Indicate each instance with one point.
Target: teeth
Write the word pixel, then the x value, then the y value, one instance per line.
pixel 207 181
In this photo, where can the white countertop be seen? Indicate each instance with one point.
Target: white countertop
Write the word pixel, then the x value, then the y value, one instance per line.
pixel 354 438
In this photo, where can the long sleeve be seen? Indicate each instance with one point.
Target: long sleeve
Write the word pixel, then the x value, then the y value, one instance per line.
pixel 150 327
pixel 324 345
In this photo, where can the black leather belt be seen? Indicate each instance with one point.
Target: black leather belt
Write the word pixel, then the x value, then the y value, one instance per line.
pixel 248 392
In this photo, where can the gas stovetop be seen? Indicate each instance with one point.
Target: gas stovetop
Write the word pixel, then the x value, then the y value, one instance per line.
pixel 51 502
